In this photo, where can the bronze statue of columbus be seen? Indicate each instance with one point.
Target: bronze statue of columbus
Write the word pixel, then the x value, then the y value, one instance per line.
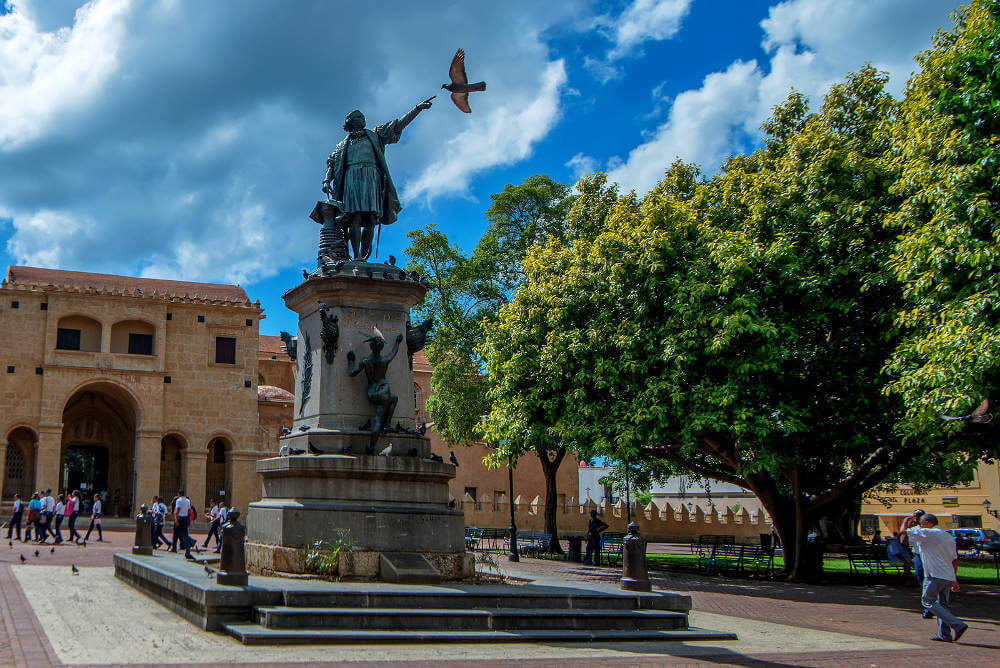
pixel 362 195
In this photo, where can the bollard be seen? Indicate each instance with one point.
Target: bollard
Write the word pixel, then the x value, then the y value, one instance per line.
pixel 143 543
pixel 233 559
pixel 635 577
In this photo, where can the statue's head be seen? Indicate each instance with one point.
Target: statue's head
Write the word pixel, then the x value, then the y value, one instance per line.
pixel 354 121
pixel 376 341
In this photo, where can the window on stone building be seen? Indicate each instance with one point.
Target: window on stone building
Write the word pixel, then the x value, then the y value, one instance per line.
pixel 225 350
pixel 140 344
pixel 471 491
pixel 970 521
pixel 218 452
pixel 68 339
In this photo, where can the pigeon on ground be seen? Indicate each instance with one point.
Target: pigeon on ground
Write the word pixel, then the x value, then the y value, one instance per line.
pixel 460 86
pixel 296 451
pixel 209 570
pixel 76 571
pixel 451 504
pixel 423 428
pixel 305 427
pixel 305 274
pixel 454 460
pixel 437 458
pixel 52 550
pixel 285 431
pixel 314 450
pixel 384 452
pixel 36 554
pixel 392 260
pixel 355 270
pixel 980 415
pixel 23 559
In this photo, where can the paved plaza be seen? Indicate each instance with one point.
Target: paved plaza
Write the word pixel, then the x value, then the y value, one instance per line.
pixel 52 617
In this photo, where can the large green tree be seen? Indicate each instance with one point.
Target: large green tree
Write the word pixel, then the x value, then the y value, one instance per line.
pixel 946 150
pixel 736 327
pixel 466 292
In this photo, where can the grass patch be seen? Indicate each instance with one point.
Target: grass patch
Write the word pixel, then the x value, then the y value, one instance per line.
pixel 979 572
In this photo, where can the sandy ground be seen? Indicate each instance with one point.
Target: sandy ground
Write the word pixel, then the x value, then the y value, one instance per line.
pixel 94 618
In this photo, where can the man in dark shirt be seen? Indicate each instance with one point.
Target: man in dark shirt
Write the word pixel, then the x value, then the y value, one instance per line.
pixel 594 529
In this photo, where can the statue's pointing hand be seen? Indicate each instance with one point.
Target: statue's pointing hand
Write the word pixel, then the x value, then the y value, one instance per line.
pixel 426 104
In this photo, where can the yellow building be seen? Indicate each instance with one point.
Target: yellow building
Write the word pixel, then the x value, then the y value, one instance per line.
pixel 130 385
pixel 971 505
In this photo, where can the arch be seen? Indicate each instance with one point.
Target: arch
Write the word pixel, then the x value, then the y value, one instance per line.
pixel 79 332
pixel 111 387
pixel 19 474
pixel 218 469
pixel 9 429
pixel 134 337
pixel 98 445
pixel 171 447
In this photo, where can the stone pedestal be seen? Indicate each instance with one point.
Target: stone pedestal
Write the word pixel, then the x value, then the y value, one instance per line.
pixel 393 507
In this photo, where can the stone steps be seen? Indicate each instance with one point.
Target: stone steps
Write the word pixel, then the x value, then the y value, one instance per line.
pixel 496 619
pixel 254 634
pixel 526 597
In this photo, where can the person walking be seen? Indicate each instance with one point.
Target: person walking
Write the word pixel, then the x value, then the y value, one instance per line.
pixel 15 518
pixel 73 511
pixel 182 520
pixel 45 521
pixel 34 515
pixel 594 529
pixel 95 519
pixel 940 560
pixel 159 513
pixel 213 525
pixel 59 514
pixel 223 518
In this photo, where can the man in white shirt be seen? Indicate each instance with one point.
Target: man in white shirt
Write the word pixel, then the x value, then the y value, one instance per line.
pixel 48 509
pixel 15 518
pixel 182 519
pixel 213 525
pixel 940 558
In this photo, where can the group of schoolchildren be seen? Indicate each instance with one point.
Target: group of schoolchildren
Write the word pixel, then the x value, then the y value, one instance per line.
pixel 42 517
pixel 184 513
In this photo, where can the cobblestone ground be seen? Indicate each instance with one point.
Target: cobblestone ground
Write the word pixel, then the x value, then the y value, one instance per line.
pixel 881 611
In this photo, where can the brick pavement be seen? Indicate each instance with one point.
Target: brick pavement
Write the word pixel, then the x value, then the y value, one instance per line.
pixel 881 611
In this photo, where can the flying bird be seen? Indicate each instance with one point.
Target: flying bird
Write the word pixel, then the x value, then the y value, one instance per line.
pixel 453 458
pixel 980 415
pixel 76 571
pixel 460 86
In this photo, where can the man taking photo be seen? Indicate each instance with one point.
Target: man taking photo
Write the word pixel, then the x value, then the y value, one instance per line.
pixel 940 560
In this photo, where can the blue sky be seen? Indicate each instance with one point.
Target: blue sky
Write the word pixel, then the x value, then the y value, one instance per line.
pixel 187 140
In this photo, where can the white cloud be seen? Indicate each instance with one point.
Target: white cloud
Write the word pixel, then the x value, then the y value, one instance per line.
pixel 181 139
pixel 642 21
pixel 812 45
pixel 582 164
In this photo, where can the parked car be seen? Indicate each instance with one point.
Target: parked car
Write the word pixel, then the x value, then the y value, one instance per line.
pixel 976 539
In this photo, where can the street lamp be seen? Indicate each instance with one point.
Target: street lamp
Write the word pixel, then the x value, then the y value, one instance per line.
pixel 513 556
pixel 986 505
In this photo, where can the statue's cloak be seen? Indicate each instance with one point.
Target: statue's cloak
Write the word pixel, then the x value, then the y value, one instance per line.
pixel 380 137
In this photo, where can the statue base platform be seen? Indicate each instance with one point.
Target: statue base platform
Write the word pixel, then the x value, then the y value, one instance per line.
pixel 354 442
pixel 384 505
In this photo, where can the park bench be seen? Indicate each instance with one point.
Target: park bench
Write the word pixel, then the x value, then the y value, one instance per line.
pixel 473 536
pixel 706 543
pixel 730 558
pixel 612 544
pixel 871 560
pixel 490 538
pixel 531 542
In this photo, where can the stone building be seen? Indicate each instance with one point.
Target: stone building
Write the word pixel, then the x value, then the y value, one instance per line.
pixel 134 385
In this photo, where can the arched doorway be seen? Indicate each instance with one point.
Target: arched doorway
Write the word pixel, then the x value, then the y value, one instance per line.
pixel 170 466
pixel 98 444
pixel 20 472
pixel 217 475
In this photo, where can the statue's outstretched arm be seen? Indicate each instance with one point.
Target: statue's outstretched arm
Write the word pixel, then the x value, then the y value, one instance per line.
pixel 353 369
pixel 395 348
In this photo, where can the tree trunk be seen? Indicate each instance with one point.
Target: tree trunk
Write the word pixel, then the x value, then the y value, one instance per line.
pixel 839 524
pixel 549 468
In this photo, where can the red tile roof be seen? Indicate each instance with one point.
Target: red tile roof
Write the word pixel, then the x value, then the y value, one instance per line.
pixel 272 393
pixel 85 280
pixel 270 345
